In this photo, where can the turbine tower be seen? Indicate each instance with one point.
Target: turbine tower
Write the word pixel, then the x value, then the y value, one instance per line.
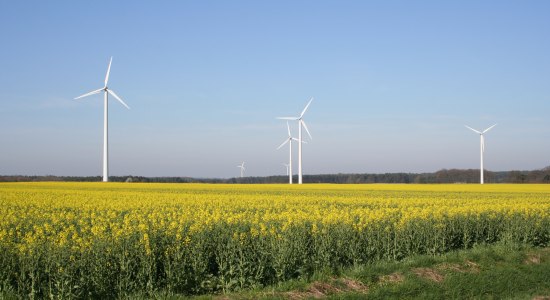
pixel 106 91
pixel 301 123
pixel 242 169
pixel 287 170
pixel 482 147
pixel 288 140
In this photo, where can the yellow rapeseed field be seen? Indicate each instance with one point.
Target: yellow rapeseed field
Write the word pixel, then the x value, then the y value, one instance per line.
pixel 105 240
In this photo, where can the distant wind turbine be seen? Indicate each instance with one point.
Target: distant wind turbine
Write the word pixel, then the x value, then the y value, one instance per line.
pixel 482 147
pixel 106 91
pixel 287 170
pixel 301 123
pixel 241 166
pixel 289 140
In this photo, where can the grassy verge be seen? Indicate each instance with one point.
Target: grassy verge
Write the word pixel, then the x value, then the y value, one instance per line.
pixel 486 272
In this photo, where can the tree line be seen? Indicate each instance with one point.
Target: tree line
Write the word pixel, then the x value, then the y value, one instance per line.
pixel 441 176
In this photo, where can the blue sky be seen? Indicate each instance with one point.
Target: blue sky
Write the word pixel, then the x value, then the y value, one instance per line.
pixel 394 83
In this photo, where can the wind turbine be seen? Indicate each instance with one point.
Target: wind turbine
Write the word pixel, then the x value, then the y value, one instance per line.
pixel 289 140
pixel 106 91
pixel 482 147
pixel 242 169
pixel 301 123
pixel 287 170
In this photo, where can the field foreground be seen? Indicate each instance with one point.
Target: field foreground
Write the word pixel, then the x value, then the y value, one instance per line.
pixel 107 240
pixel 483 272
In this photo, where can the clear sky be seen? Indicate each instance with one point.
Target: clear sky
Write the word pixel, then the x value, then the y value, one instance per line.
pixel 394 84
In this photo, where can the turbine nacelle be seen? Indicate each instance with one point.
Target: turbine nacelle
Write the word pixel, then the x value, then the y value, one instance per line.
pixel 482 148
pixel 241 166
pixel 300 118
pixel 289 138
pixel 105 88
pixel 481 133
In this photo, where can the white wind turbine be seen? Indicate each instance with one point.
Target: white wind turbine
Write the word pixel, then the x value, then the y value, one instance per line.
pixel 300 124
pixel 482 147
pixel 287 170
pixel 106 91
pixel 288 140
pixel 241 166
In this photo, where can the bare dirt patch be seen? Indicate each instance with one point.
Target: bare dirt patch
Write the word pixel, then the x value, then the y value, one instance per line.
pixel 472 265
pixel 391 278
pixel 532 259
pixel 319 290
pixel 429 273
pixel 354 285
pixel 466 267
pixel 541 298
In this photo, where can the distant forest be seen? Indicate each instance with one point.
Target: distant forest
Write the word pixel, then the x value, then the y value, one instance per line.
pixel 441 176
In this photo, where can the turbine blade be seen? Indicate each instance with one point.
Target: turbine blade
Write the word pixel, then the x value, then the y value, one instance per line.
pixel 108 71
pixel 305 127
pixel 284 143
pixel 118 98
pixel 297 140
pixel 472 129
pixel 489 128
pixel 304 111
pixel 287 118
pixel 288 127
pixel 89 94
